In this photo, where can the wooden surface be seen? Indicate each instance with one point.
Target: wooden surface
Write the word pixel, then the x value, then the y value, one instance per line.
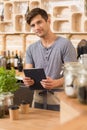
pixel 73 116
pixel 36 119
pixel 19 75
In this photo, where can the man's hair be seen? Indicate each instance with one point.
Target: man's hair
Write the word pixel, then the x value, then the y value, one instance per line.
pixel 34 12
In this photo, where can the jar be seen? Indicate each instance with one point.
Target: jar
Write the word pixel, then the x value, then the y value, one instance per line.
pixel 82 85
pixel 70 74
pixel 8 100
pixel 2 110
pixel 83 59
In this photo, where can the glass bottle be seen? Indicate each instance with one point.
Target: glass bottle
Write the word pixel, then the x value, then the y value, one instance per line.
pixel 16 60
pixel 2 15
pixel 12 59
pixel 20 63
pixel 8 65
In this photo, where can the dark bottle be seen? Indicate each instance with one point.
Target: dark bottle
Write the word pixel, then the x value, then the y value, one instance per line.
pixel 16 60
pixel 3 60
pixel 20 63
pixel 2 15
pixel 8 65
pixel 12 59
pixel 27 11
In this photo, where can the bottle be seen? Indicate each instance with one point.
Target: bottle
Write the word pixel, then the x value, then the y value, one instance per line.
pixel 20 63
pixel 3 60
pixel 16 60
pixel 8 65
pixel 12 59
pixel 2 15
pixel 27 11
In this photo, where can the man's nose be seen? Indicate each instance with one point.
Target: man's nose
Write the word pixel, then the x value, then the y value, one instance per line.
pixel 36 26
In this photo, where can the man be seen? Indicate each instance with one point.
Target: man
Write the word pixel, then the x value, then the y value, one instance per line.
pixel 50 53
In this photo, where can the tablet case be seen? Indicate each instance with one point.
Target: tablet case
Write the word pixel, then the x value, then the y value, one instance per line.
pixel 37 75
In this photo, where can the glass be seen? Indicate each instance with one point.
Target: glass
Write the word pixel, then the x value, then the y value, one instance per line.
pixel 82 85
pixel 8 100
pixel 70 74
pixel 2 111
pixel 83 59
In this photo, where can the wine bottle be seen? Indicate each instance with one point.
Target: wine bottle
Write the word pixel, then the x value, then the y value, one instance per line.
pixel 20 63
pixel 3 59
pixel 16 60
pixel 8 65
pixel 27 11
pixel 2 15
pixel 12 59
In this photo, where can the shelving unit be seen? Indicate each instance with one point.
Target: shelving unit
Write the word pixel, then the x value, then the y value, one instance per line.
pixel 68 20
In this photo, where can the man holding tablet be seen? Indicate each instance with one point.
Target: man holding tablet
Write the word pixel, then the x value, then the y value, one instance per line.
pixel 49 53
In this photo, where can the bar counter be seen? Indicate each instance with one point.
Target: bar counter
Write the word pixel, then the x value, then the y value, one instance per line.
pixel 73 116
pixel 36 119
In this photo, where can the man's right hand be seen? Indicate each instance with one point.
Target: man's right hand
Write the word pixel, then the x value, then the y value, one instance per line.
pixel 28 81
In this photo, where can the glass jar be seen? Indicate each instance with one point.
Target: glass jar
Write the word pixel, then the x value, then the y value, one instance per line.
pixel 8 96
pixel 70 74
pixel 2 110
pixel 82 85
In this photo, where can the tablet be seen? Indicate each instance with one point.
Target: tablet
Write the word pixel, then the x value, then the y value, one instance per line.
pixel 37 74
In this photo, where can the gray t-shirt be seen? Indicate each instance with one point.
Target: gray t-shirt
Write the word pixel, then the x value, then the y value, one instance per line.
pixel 52 58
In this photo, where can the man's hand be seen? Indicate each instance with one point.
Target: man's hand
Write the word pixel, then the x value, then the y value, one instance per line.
pixel 49 83
pixel 28 81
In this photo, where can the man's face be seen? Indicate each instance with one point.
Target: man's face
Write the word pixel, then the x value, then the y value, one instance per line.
pixel 39 26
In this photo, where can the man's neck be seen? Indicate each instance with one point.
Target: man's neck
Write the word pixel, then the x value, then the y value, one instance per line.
pixel 49 41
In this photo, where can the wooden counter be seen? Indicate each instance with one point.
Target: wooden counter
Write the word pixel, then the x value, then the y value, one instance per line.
pixel 36 119
pixel 73 116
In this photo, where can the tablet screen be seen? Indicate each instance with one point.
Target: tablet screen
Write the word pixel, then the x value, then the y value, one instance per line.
pixel 37 74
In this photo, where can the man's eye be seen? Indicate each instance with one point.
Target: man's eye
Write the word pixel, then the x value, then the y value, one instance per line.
pixel 32 25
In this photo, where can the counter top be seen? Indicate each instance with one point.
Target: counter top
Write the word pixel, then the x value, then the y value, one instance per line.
pixel 73 116
pixel 36 119
pixel 19 75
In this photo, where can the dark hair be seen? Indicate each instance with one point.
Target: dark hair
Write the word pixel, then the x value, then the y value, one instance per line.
pixel 36 11
pixel 82 48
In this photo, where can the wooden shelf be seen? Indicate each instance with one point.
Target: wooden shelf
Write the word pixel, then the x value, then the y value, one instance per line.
pixel 67 19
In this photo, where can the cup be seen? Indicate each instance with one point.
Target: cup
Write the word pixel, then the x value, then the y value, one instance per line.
pixel 24 107
pixel 14 112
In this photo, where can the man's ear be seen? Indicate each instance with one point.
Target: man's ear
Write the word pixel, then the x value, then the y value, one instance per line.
pixel 49 20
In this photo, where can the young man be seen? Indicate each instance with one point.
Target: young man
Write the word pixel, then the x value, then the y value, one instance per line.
pixel 50 53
